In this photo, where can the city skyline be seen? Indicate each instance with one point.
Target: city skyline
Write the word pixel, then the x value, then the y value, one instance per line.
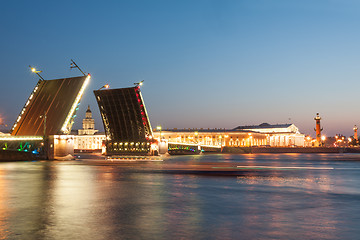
pixel 209 64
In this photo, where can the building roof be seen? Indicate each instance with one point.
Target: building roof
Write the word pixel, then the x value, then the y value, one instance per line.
pixel 264 126
pixel 205 130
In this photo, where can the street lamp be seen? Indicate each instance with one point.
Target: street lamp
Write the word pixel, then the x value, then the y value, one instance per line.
pixel 37 72
pixel 139 83
pixel 74 65
pixel 159 129
pixel 105 86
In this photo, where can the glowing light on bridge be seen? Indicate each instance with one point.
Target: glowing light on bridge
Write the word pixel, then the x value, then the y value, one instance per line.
pixel 24 108
pixel 68 121
pixel 22 138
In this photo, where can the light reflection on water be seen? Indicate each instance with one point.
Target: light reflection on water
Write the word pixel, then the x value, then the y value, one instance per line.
pixel 75 200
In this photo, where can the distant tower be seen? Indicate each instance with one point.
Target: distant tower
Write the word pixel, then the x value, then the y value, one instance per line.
pixel 88 124
pixel 318 129
pixel 355 133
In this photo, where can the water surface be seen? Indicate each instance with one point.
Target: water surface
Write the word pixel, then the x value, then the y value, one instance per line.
pixel 293 196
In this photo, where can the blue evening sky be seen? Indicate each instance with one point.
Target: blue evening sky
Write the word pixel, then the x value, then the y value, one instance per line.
pixel 205 63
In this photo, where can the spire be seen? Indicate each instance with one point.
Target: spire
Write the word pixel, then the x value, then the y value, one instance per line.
pixel 88 114
pixel 88 110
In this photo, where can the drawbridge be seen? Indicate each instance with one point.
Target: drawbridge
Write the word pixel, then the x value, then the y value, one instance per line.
pixel 126 123
pixel 49 110
pixel 51 107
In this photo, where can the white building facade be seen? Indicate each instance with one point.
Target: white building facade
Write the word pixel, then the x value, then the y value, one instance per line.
pixel 278 135
pixel 88 139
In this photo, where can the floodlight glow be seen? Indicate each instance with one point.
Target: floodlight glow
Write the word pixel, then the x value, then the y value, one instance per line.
pixel 34 70
pixel 26 104
pixel 65 127
pixel 105 86
pixel 23 138
pixel 147 116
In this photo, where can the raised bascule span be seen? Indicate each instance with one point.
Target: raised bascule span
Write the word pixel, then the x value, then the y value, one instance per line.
pixel 126 123
pixel 51 107
pixel 48 113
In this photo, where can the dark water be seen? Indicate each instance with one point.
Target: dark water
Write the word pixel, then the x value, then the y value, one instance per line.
pixel 314 197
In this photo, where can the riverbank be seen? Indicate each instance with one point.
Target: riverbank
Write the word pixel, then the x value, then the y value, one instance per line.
pixel 291 150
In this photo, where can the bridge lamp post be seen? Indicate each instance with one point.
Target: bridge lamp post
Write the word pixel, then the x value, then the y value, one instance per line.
pixel 74 65
pixel 138 84
pixel 105 86
pixel 159 129
pixel 37 72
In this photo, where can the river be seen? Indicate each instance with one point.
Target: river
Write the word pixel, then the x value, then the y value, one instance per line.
pixel 272 196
